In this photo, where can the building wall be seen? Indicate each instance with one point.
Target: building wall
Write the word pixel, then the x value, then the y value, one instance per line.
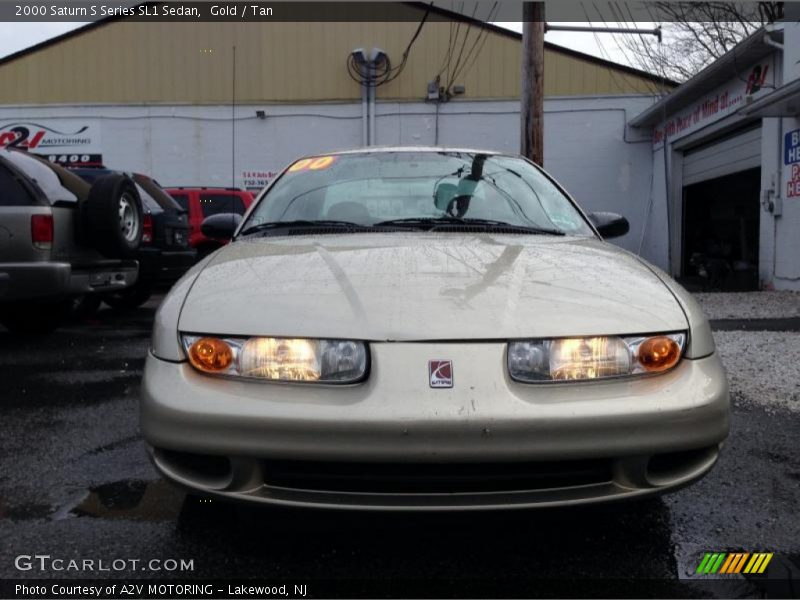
pixel 164 62
pixel 587 147
pixel 786 227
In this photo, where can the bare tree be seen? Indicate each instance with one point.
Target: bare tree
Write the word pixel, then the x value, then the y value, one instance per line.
pixel 695 34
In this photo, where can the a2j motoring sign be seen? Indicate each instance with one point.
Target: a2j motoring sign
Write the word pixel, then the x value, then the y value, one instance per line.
pixel 69 143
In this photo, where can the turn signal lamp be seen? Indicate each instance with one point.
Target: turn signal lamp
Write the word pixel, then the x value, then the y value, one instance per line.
pixel 210 355
pixel 658 353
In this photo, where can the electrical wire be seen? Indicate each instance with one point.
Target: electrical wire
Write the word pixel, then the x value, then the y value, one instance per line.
pixel 377 74
pixel 461 51
pixel 483 35
pixel 624 23
pixel 455 43
pixel 445 64
pixel 655 63
pixel 607 55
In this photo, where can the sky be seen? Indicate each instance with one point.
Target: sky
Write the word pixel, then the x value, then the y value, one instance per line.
pixel 17 36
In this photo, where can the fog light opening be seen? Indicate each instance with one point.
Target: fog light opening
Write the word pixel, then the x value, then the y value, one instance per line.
pixel 200 470
pixel 673 467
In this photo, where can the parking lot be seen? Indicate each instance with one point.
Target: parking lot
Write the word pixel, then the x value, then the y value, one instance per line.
pixel 76 483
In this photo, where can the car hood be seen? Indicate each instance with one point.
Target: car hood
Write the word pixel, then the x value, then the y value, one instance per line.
pixel 427 286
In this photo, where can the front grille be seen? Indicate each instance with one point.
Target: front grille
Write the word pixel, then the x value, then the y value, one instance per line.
pixel 436 478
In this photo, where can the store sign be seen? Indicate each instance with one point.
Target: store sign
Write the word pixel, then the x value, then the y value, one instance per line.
pixel 257 179
pixel 723 101
pixel 791 147
pixel 67 142
pixel 791 156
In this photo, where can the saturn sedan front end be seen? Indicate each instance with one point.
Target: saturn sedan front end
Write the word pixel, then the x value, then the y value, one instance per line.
pixel 355 347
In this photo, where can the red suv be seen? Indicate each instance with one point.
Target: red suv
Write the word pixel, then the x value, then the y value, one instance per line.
pixel 202 202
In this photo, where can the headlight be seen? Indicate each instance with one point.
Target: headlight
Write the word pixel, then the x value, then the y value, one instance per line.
pixel 278 359
pixel 571 359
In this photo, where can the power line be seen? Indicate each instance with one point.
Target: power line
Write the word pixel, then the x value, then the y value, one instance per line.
pixel 461 51
pixel 655 65
pixel 445 64
pixel 607 55
pixel 483 35
pixel 621 86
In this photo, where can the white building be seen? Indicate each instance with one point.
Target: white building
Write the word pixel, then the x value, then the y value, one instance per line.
pixel 731 194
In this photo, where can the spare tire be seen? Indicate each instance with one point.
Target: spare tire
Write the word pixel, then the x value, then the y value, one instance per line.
pixel 112 216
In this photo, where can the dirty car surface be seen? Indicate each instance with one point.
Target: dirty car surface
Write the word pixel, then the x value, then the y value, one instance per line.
pixel 429 329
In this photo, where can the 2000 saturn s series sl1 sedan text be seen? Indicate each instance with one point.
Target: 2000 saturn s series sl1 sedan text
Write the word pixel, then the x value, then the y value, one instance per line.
pixel 427 328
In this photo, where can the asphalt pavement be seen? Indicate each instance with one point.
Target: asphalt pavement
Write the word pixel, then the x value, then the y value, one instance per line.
pixel 76 483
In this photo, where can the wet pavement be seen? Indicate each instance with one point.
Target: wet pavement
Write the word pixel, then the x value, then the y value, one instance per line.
pixel 76 483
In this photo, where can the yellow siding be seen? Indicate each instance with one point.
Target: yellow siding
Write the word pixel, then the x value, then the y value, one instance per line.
pixel 132 62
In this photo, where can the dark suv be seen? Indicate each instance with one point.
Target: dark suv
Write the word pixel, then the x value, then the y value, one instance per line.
pixel 164 255
pixel 62 239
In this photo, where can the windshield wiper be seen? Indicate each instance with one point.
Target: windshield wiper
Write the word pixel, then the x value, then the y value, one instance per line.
pixel 301 223
pixel 417 222
pixel 434 222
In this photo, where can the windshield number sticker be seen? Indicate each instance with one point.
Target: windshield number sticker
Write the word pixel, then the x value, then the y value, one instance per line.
pixel 312 164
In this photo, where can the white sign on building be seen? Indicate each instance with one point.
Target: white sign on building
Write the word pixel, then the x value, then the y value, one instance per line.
pixel 68 142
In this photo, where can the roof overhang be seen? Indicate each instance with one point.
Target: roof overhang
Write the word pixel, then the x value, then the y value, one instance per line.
pixel 723 69
pixel 782 102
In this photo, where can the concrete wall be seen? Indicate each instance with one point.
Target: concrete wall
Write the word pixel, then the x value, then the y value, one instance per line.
pixel 587 147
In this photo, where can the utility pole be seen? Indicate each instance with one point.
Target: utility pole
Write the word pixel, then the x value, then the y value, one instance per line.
pixel 532 96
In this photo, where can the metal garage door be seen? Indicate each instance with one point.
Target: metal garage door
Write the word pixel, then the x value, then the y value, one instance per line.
pixel 737 152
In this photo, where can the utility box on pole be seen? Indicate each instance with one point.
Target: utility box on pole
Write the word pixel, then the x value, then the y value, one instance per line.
pixel 532 94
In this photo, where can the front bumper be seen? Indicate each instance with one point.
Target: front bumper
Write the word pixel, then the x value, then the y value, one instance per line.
pixel 613 429
pixel 42 280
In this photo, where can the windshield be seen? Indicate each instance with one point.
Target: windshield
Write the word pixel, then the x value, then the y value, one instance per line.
pixel 375 188
pixel 155 193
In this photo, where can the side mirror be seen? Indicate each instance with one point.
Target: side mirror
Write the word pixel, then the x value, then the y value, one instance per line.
pixel 221 226
pixel 609 225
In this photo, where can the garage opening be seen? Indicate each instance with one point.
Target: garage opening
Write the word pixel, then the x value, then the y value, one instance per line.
pixel 720 233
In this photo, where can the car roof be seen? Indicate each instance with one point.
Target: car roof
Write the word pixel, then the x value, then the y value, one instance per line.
pixel 194 188
pixel 431 149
